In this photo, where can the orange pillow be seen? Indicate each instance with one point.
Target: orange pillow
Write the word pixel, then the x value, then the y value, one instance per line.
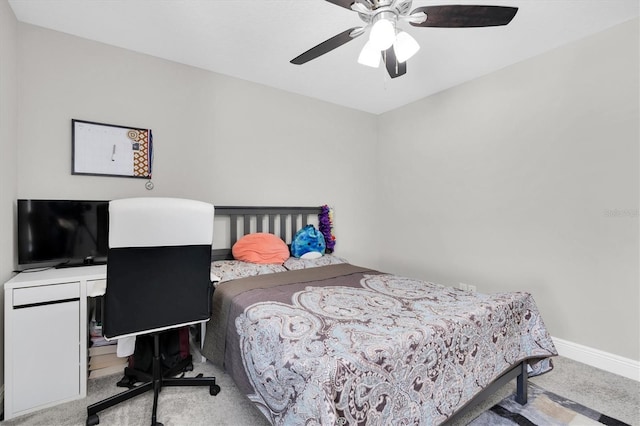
pixel 260 247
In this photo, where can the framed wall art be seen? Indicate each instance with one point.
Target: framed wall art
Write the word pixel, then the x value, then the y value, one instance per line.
pixel 110 150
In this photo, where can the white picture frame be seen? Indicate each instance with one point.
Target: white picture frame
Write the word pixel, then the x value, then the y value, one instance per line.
pixel 101 149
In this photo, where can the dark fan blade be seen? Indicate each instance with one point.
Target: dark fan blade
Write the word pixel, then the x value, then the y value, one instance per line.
pixel 343 3
pixel 327 46
pixel 465 16
pixel 394 68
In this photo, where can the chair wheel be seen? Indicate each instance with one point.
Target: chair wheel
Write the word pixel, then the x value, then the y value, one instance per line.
pixel 214 390
pixel 93 420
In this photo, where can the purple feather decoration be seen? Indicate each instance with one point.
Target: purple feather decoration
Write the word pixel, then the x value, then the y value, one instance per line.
pixel 325 225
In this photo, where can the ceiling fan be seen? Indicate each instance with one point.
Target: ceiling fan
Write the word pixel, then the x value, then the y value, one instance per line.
pixel 394 46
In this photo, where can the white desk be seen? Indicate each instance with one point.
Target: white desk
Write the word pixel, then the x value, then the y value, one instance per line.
pixel 45 331
pixel 45 336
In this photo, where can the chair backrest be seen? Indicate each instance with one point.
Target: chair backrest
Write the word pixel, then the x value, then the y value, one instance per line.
pixel 158 265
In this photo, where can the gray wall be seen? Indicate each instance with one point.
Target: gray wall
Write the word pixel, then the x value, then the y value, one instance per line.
pixel 8 147
pixel 527 179
pixel 217 139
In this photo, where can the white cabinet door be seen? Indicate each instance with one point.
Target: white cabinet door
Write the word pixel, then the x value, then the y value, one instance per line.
pixel 46 354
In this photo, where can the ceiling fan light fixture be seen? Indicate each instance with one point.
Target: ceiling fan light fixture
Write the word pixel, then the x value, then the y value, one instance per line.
pixel 369 55
pixel 383 31
pixel 394 47
pixel 405 46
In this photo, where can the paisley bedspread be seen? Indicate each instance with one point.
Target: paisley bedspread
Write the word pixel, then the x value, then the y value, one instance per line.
pixel 342 344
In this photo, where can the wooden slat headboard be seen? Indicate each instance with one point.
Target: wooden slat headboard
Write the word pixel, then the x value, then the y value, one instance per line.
pixel 280 221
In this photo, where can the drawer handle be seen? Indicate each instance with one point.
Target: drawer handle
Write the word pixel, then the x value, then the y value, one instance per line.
pixel 50 302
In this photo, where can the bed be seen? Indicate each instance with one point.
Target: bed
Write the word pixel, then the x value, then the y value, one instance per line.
pixel 327 342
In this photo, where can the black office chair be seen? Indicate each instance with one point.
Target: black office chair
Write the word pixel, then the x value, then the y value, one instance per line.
pixel 158 278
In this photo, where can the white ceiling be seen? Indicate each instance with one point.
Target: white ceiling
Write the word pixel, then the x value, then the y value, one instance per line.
pixel 255 40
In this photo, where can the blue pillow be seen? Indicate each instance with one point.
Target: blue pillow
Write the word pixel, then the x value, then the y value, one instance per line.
pixel 308 243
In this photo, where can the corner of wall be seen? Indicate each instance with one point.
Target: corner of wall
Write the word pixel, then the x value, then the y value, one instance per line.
pixel 8 146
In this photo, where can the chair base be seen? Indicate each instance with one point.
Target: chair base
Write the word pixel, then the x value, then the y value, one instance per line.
pixel 156 383
pixel 133 376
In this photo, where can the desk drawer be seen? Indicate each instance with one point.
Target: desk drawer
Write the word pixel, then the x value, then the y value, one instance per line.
pixel 45 294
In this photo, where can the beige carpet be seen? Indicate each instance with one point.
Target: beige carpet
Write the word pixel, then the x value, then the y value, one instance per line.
pixel 601 391
pixel 176 405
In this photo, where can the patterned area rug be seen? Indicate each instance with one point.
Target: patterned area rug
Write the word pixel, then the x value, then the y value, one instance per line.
pixel 543 409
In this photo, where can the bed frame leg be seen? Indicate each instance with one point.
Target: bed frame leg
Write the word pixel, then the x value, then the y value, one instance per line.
pixel 522 384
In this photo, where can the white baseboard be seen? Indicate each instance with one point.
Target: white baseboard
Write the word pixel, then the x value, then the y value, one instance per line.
pixel 596 358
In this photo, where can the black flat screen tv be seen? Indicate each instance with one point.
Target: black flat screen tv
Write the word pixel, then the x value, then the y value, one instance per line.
pixel 62 232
